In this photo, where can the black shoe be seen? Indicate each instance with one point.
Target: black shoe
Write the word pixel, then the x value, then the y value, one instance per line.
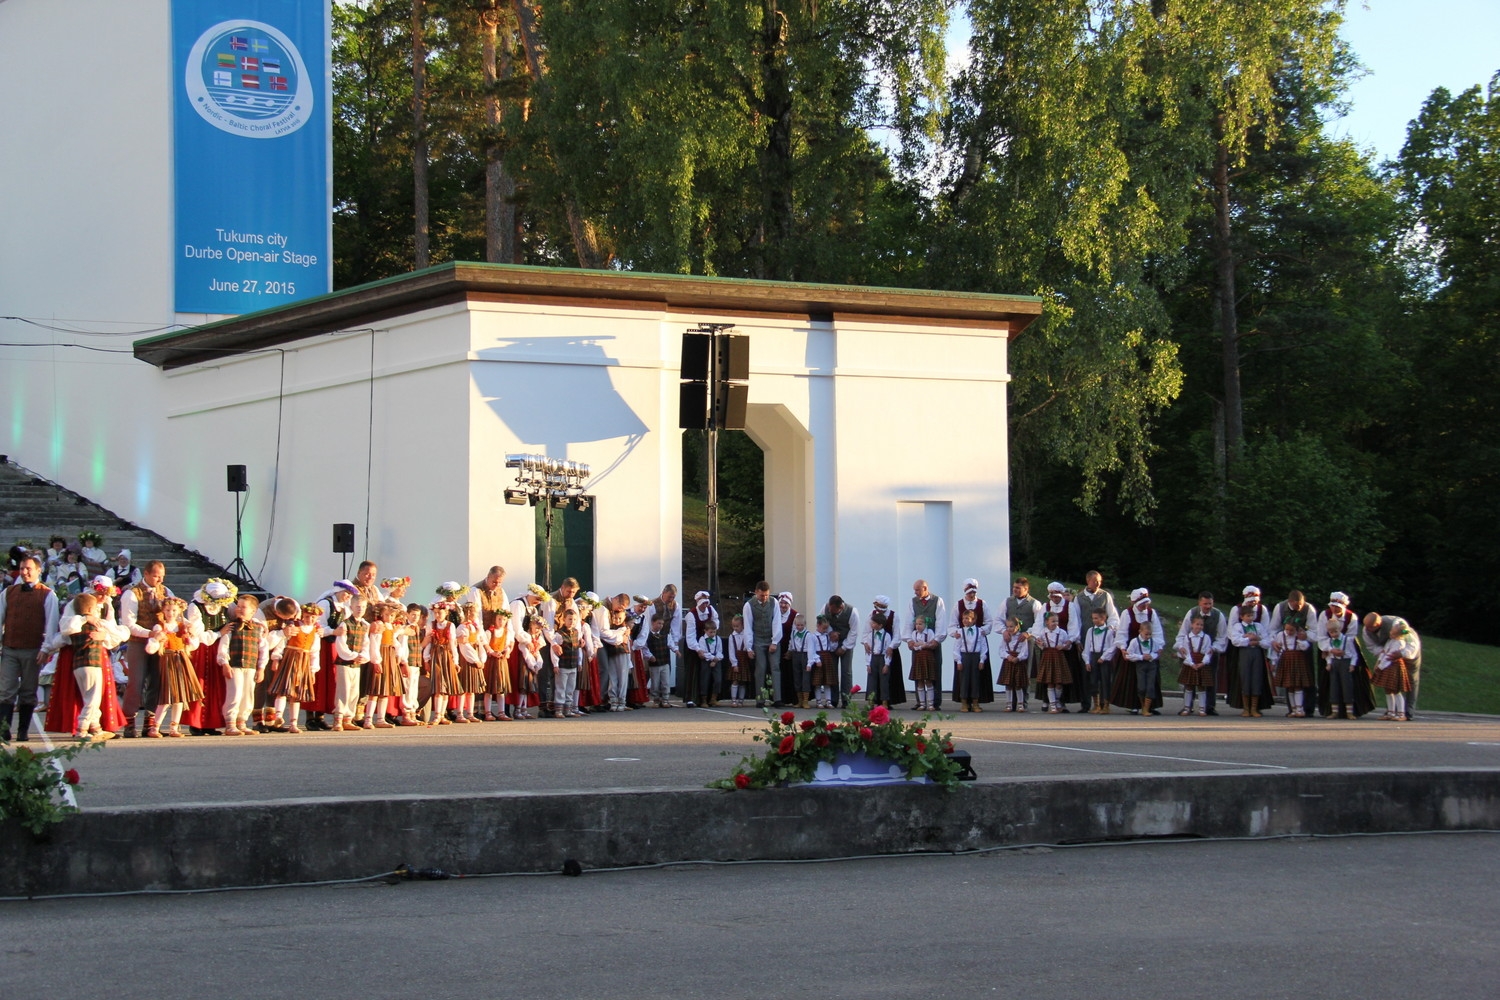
pixel 1211 711
pixel 210 732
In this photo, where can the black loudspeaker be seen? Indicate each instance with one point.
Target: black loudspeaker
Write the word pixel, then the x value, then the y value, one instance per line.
pixel 734 357
pixel 692 406
pixel 729 407
pixel 237 481
pixel 695 357
pixel 343 539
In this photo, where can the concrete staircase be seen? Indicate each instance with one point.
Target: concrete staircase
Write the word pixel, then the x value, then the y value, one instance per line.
pixel 33 509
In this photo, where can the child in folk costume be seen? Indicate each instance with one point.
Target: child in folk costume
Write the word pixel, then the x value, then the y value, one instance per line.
pixel 1338 663
pixel 972 680
pixel 741 657
pixel 1196 649
pixel 1291 655
pixel 208 614
pixel 638 617
pixel 614 652
pixel 1248 637
pixel 293 682
pixel 1015 667
pixel 91 638
pixel 387 676
pixel 473 647
pixel 497 676
pixel 823 657
pixel 1393 669
pixel 440 653
pixel 711 654
pixel 1053 671
pixel 657 646
pixel 1138 613
pixel 350 640
pixel 798 650
pixel 1097 651
pixel 333 677
pixel 95 559
pixel 569 646
pixel 883 681
pixel 410 638
pixel 285 614
pixel 69 697
pixel 172 642
pixel 925 674
pixel 529 648
pixel 241 654
pixel 1145 652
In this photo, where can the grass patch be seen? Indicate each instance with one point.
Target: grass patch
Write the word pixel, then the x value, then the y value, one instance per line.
pixel 1456 676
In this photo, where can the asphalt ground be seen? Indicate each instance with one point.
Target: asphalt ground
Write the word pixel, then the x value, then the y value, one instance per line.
pixel 687 748
pixel 1369 918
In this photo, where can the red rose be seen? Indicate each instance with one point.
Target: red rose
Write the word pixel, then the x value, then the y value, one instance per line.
pixel 865 733
pixel 879 715
pixel 833 725
pixel 787 744
pixel 918 730
pixel 788 718
pixel 820 740
pixel 742 780
pixel 921 747
pixel 854 689
pixel 947 748
pixel 807 724
pixel 71 775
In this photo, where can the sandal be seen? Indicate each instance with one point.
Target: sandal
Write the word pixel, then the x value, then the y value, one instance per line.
pixel 1187 711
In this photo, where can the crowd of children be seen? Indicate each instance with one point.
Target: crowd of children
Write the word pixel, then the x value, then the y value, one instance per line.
pixel 130 658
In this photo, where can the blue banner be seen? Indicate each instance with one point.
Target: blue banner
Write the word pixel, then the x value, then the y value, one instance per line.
pixel 253 153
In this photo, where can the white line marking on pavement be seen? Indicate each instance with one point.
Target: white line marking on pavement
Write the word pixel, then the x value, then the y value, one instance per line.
pixel 1122 753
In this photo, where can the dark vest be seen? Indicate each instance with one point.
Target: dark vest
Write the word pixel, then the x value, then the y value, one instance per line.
pixel 244 640
pixel 1024 610
pixel 840 623
pixel 926 609
pixel 1214 623
pixel 26 616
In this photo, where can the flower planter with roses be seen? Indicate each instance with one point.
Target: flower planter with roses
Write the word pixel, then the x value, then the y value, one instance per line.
pixel 912 751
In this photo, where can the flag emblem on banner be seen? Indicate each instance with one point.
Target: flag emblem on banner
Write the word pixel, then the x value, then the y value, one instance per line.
pixel 249 64
pixel 259 45
pixel 238 42
pixel 249 74
pixel 270 66
pixel 223 78
pixel 227 59
pixel 250 82
pixel 276 82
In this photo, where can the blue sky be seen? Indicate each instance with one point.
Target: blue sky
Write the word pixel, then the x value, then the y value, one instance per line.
pixel 1410 48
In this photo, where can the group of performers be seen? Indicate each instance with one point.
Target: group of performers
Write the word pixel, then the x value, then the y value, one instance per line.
pixel 360 657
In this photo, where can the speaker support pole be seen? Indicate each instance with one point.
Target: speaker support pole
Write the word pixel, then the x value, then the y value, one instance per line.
pixel 239 486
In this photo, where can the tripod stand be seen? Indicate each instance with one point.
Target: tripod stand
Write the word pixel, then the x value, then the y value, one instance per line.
pixel 238 567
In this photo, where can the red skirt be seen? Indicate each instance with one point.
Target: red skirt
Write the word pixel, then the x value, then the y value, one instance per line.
pixel 63 706
pixel 1015 674
pixel 1201 676
pixel 1054 670
pixel 325 681
pixel 588 674
pixel 208 712
pixel 1292 672
pixel 1394 678
pixel 924 666
pixel 640 683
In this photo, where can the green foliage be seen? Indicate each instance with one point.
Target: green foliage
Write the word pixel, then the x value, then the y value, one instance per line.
pixel 32 784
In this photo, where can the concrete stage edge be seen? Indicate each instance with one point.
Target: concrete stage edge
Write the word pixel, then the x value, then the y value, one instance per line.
pixel 200 846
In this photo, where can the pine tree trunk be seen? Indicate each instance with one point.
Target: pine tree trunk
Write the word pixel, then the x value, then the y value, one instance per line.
pixel 499 187
pixel 1224 301
pixel 420 255
pixel 775 230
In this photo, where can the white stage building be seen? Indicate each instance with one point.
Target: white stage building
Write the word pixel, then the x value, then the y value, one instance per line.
pixel 882 412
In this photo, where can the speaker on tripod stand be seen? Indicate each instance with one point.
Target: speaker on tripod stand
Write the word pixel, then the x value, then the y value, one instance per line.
pixel 343 545
pixel 239 485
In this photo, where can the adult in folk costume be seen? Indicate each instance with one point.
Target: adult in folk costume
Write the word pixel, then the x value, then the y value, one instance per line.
pixel 208 614
pixel 694 621
pixel 885 681
pixel 1028 610
pixel 522 681
pixel 640 678
pixel 68 694
pixel 335 605
pixel 926 604
pixel 843 636
pixel 763 621
pixel 364 579
pixel 665 607
pixel 122 573
pixel 1229 675
pixel 784 653
pixel 1375 636
pixel 140 611
pixel 1216 626
pixel 500 626
pixel 1059 602
pixel 593 680
pixel 1297 610
pixel 1347 641
pixel 1140 611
